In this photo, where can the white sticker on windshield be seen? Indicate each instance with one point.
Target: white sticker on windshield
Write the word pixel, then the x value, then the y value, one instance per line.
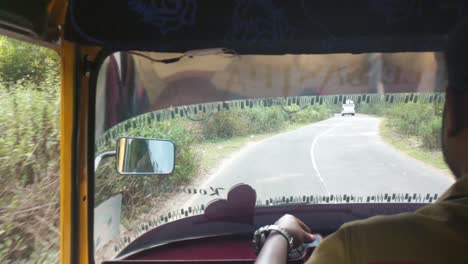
pixel 107 221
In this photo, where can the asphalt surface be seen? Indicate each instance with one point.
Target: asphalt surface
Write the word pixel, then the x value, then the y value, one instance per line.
pixel 340 155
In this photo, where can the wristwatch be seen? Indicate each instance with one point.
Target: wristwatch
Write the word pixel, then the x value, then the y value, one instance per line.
pixel 262 234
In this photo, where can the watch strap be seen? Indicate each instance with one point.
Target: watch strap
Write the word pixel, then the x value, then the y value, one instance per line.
pixel 262 234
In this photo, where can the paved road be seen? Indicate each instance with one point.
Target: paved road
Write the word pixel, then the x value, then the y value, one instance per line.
pixel 340 155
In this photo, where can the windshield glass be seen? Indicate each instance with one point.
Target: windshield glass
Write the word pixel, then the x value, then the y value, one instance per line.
pixel 276 123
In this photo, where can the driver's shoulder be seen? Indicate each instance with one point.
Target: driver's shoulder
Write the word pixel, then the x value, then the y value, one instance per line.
pixel 411 236
pixel 410 232
pixel 431 215
pixel 383 223
pixel 428 217
pixel 398 227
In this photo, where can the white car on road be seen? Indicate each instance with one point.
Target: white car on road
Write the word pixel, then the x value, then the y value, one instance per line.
pixel 348 108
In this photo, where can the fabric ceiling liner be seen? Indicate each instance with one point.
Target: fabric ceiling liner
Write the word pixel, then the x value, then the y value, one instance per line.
pixel 265 26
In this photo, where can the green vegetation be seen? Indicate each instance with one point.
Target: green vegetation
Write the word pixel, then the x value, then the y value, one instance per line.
pixel 200 146
pixel 250 121
pixel 414 128
pixel 137 189
pixel 378 109
pixel 243 122
pixel 23 62
pixel 258 124
pixel 412 147
pixel 423 121
pixel 29 153
pixel 29 173
pixel 29 149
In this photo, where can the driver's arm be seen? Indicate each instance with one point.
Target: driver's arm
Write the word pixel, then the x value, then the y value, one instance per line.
pixel 275 250
pixel 331 250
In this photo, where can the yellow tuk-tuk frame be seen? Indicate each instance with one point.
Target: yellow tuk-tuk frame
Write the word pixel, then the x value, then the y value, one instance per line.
pixel 74 144
pixel 78 74
pixel 74 163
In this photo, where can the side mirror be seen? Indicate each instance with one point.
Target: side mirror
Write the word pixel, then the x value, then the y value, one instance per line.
pixel 145 156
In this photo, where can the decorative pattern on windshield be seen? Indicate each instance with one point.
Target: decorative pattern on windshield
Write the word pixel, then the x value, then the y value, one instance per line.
pixel 308 132
pixel 397 198
pixel 201 110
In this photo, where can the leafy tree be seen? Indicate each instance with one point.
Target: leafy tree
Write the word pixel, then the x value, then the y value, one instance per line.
pixel 21 61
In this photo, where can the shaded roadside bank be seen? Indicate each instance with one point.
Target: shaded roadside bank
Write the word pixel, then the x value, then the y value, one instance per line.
pixel 413 128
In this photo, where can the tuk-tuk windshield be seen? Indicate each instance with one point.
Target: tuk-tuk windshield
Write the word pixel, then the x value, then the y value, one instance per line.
pixel 277 123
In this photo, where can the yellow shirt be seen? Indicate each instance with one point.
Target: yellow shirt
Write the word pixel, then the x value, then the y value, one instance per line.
pixel 436 233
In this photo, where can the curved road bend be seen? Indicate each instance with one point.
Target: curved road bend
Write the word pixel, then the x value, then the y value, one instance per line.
pixel 340 155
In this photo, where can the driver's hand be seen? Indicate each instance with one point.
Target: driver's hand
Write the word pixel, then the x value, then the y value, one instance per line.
pixel 297 229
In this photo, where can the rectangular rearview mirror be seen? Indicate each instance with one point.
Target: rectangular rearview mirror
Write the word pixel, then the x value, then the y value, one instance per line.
pixel 145 156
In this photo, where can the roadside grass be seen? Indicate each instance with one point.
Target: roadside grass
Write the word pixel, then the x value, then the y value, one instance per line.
pixel 412 146
pixel 29 173
pixel 412 128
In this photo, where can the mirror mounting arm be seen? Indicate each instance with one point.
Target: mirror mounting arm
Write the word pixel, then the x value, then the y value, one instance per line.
pixel 101 156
